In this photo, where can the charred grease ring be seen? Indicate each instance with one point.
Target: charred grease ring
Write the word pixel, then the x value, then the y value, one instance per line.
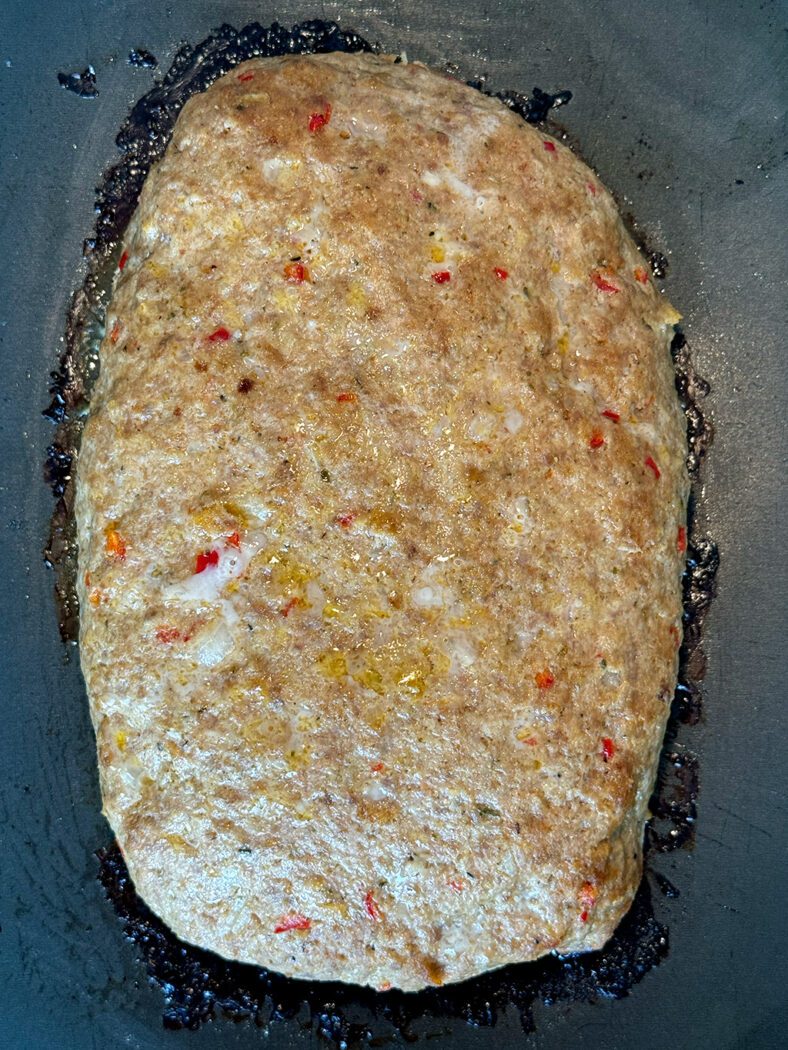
pixel 195 983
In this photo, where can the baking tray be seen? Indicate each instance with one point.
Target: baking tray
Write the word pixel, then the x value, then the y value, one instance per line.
pixel 681 108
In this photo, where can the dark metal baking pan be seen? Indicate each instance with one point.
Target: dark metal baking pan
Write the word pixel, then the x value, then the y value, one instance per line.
pixel 681 109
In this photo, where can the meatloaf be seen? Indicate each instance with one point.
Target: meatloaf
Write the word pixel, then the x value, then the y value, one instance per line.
pixel 381 508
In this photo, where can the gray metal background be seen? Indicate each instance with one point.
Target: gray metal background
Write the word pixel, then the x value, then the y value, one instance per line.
pixel 681 108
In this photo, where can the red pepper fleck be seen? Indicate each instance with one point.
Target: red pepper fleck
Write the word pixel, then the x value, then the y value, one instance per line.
pixel 296 273
pixel 608 748
pixel 441 277
pixel 319 120
pixel 205 559
pixel 234 540
pixel 287 609
pixel 591 188
pixel 457 885
pixel 587 899
pixel 641 275
pixel 376 767
pixel 652 466
pixel 614 417
pixel 675 634
pixel 116 545
pixel 500 273
pixel 346 395
pixel 219 335
pixel 295 921
pixel 602 283
pixel 544 679
pixel 346 520
pixel 371 907
pixel 549 146
pixel 531 741
pixel 588 895
pixel 596 440
pixel 168 634
pixel 114 335
pixel 417 196
pixel 245 77
pixel 123 260
pixel 384 987
pixel 681 539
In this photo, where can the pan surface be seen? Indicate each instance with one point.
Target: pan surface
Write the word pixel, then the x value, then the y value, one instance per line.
pixel 681 108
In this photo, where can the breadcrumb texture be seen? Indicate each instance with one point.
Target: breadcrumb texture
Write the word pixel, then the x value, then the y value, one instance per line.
pixel 380 609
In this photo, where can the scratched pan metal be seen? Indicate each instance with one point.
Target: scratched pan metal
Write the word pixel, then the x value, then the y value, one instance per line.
pixel 681 108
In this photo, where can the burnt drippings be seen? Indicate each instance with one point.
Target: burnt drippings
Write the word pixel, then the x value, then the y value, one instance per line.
pixel 82 84
pixel 536 107
pixel 691 389
pixel 665 886
pixel 138 56
pixel 60 551
pixel 69 389
pixel 673 803
pixel 197 985
pixel 698 586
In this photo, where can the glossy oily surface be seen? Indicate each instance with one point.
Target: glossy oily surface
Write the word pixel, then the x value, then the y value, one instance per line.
pixel 649 120
pixel 383 469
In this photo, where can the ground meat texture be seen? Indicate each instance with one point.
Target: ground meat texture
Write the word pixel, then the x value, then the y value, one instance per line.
pixel 378 508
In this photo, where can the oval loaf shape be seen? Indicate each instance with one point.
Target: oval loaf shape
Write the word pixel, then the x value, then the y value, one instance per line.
pixel 379 511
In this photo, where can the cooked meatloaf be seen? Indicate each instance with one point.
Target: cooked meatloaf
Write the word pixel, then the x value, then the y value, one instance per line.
pixel 380 509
